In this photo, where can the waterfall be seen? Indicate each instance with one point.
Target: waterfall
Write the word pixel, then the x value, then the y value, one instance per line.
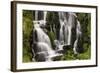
pixel 45 51
pixel 36 15
pixel 69 23
pixel 63 34
pixel 41 35
pixel 44 17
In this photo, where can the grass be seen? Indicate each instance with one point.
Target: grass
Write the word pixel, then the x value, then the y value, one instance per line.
pixel 69 55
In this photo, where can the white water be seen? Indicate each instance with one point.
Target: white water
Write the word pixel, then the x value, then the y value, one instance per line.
pixel 67 22
pixel 44 43
pixel 65 29
pixel 41 35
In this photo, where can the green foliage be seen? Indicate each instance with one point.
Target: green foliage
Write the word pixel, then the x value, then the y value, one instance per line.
pixel 69 55
pixel 85 20
pixel 27 28
pixel 52 37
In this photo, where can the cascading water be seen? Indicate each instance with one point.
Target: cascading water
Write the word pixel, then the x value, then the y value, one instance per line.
pixel 68 23
pixel 63 34
pixel 43 44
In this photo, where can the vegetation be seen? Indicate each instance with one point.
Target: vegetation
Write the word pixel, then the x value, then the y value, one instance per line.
pixel 52 21
pixel 27 28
